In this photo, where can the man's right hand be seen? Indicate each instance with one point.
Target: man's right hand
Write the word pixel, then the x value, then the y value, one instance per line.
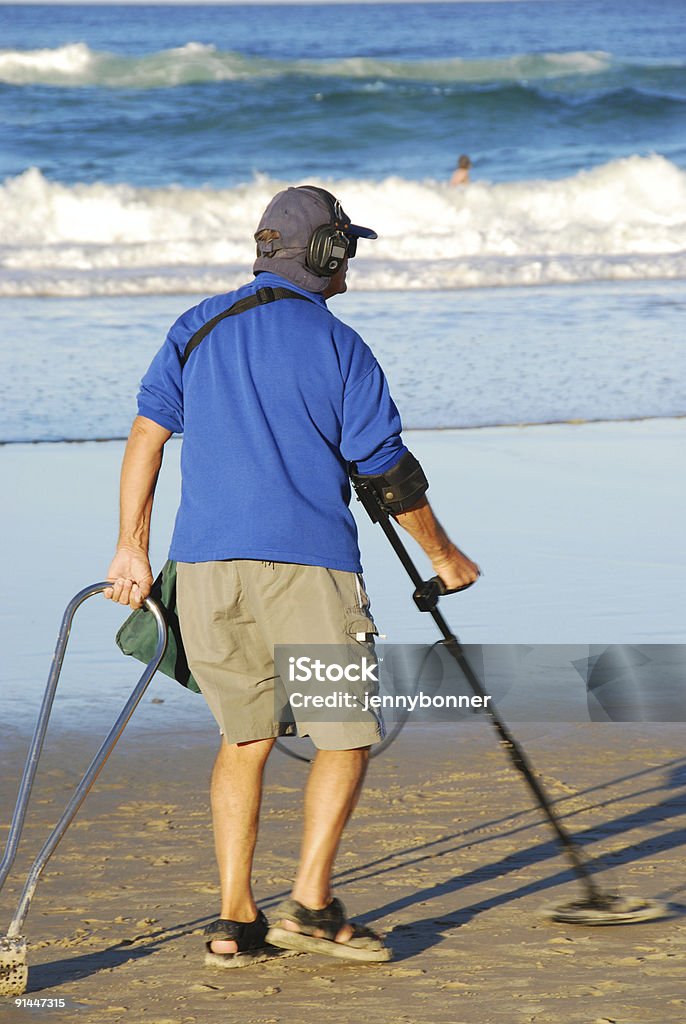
pixel 452 565
pixel 455 568
pixel 131 577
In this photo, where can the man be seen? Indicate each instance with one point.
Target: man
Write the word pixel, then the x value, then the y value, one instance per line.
pixel 274 400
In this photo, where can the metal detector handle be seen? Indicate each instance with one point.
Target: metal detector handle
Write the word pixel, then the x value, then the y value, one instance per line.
pixel 426 596
pixel 42 725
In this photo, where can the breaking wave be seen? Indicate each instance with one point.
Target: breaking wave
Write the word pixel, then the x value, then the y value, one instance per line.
pixel 77 65
pixel 623 220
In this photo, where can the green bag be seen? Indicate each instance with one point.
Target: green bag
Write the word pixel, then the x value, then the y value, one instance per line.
pixel 138 634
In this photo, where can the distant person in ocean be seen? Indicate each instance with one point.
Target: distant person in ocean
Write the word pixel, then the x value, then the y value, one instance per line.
pixel 460 175
pixel 278 401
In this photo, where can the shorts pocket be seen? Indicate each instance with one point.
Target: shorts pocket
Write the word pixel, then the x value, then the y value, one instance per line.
pixel 360 625
pixel 362 630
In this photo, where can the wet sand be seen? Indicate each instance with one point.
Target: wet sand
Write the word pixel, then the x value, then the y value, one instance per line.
pixel 445 854
pixel 577 527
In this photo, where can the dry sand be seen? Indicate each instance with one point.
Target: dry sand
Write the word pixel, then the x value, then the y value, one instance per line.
pixel 445 854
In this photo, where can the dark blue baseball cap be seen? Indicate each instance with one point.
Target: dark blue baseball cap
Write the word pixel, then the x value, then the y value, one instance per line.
pixel 294 215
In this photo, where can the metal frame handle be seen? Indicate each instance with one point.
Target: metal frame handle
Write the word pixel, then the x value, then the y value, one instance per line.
pixel 96 765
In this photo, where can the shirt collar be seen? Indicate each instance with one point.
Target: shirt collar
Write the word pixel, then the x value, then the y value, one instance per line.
pixel 266 280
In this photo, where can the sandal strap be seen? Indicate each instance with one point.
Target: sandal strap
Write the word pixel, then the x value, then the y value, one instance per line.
pixel 329 920
pixel 246 934
pixel 360 931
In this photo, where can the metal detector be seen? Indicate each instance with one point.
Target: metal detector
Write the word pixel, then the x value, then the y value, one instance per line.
pixel 597 907
pixel 13 945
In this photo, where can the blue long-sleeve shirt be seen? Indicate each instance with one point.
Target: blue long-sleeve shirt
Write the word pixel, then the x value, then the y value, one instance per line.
pixel 272 404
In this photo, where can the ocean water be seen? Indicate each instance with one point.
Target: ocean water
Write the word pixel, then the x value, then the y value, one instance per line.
pixel 139 144
pixel 69 368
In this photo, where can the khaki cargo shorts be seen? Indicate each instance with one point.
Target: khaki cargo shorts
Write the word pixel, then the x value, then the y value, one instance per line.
pixel 234 613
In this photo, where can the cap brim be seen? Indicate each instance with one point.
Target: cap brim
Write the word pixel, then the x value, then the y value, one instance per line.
pixel 360 232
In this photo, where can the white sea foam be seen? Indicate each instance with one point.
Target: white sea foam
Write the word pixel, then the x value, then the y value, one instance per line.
pixel 624 220
pixel 75 64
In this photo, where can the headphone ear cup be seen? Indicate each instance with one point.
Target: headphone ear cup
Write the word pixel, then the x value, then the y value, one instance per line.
pixel 326 251
pixel 319 251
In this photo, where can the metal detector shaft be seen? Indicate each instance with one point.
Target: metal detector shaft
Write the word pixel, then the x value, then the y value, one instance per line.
pixel 95 766
pixel 426 598
pixel 523 765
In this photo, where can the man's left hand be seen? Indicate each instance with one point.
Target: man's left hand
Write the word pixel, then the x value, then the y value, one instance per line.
pixel 131 577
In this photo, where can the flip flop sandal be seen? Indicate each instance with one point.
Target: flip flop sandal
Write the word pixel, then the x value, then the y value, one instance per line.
pixel 318 931
pixel 250 939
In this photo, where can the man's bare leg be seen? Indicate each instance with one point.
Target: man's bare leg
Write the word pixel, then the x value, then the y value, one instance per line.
pixel 236 795
pixel 332 792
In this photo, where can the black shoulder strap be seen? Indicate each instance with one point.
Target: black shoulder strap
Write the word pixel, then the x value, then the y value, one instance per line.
pixel 260 298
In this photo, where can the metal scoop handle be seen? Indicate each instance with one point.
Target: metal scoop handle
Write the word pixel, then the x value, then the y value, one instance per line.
pixel 95 766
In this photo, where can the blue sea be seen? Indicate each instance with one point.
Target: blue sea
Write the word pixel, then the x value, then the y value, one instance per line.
pixel 139 145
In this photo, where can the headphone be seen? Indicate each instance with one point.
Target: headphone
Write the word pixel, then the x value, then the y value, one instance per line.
pixel 329 245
